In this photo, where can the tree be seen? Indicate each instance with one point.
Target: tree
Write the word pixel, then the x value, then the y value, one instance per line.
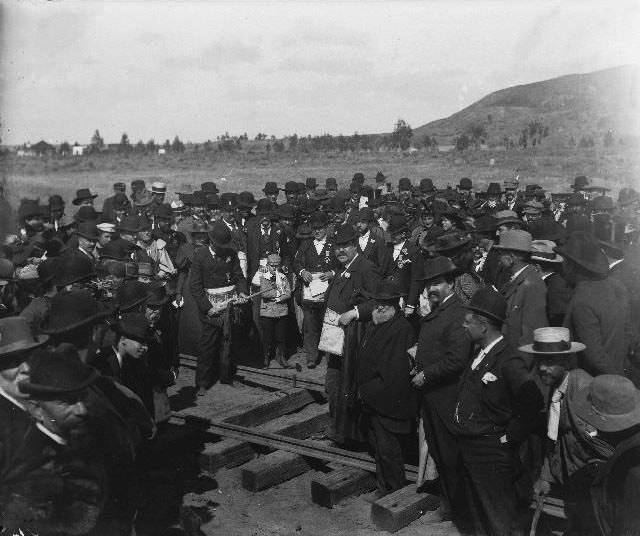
pixel 402 134
pixel 151 145
pixel 65 148
pixel 293 142
pixel 167 145
pixel 125 144
pixel 426 141
pixel 207 146
pixel 177 146
pixel 97 143
pixel 140 147
pixel 278 146
pixel 477 132
pixel 462 142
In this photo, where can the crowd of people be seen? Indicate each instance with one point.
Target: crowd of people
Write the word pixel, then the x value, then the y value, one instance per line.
pixel 500 327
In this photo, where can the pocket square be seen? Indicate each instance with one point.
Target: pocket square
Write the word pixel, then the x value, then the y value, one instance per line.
pixel 488 377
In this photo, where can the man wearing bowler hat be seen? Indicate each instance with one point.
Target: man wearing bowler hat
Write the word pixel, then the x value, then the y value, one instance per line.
pixel 109 204
pixel 87 234
pixel 371 243
pixel 271 191
pixel 442 354
pixel 84 197
pixel 216 278
pixel 496 407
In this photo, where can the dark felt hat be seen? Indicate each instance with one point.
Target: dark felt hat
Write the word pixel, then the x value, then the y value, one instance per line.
pixel 271 188
pixel 56 373
pixel 331 183
pixel 73 269
pixel 29 209
pixel 485 224
pixel 87 230
pixel 121 202
pixel 380 177
pixel 49 269
pixel 602 203
pixel 130 224
pixel 304 232
pixel 309 206
pixel 575 200
pixel 404 185
pixel 465 184
pixel 515 240
pixel 220 236
pixel 366 215
pixel 358 177
pixel 209 187
pixel 494 189
pixel 86 214
pixel 345 234
pixel 56 202
pixel 287 211
pixel 387 290
pixel 426 186
pixel 119 187
pixel 583 249
pixel 438 267
pixel 82 195
pixel 264 207
pixel 228 200
pixel 318 220
pixel 118 250
pixel 490 303
pixel 137 183
pixel 291 187
pixel 397 224
pixel 16 336
pixel 246 200
pixel 450 241
pixel 131 294
pixel 355 187
pixel 134 326
pixel 72 309
pixel 580 182
pixel 311 182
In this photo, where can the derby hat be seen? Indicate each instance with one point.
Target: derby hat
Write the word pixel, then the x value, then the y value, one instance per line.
pixel 485 224
pixel 158 187
pixel 465 184
pixel 56 202
pixel 117 250
pixel 130 224
pixel 119 187
pixel 610 403
pixel 387 290
pixel 164 212
pixel 246 200
pixel 199 226
pixel 404 185
pixel 291 187
pixel 552 340
pixel 355 187
pixel 209 187
pixel 331 183
pixel 584 250
pixel 56 373
pixel 504 217
pixel 515 240
pixel 16 336
pixel 72 309
pixel 287 211
pixel 74 269
pixel 87 230
pixel 157 295
pixel 366 215
pixel 345 234
pixel 271 188
pixel 220 236
pixel 134 326
pixel 438 267
pixel 580 182
pixel 543 251
pixel 304 232
pixel 86 214
pixel 397 224
pixel 489 303
pixel 494 189
pixel 264 207
pixel 450 241
pixel 311 183
pixel 82 195
pixel 426 186
pixel 138 184
pixel 131 294
pixel 319 220
pixel 358 177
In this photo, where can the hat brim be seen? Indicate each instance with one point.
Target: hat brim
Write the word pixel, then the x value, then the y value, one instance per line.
pixel 90 237
pixel 79 200
pixel 49 330
pixel 556 260
pixel 20 346
pixel 598 270
pixel 484 312
pixel 605 423
pixel 435 275
pixel 452 247
pixel 575 347
pixel 29 388
pixel 222 245
pixel 508 248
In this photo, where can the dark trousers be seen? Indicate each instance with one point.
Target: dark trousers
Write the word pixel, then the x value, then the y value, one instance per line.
pixel 208 369
pixel 489 472
pixel 387 447
pixel 311 328
pixel 274 332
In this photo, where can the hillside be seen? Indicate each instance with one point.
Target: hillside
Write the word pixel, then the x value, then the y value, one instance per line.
pixel 573 105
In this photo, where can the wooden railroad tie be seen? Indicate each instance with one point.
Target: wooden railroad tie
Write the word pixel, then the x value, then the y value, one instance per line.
pixel 272 469
pixel 396 510
pixel 331 488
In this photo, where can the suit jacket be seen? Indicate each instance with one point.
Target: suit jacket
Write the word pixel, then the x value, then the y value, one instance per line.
pixel 377 252
pixel 526 297
pixel 443 353
pixel 275 244
pixel 558 298
pixel 406 268
pixel 598 316
pixel 498 397
pixel 348 291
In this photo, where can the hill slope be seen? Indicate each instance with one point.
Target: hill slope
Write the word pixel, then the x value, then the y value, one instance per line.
pixel 573 105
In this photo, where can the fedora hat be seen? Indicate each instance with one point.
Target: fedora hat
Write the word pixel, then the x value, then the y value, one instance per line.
pixel 610 403
pixel 157 295
pixel 58 372
pixel 220 236
pixel 72 309
pixel 490 303
pixel 83 194
pixel 345 234
pixel 450 241
pixel 291 187
pixel 74 269
pixel 131 294
pixel 56 202
pixel 542 251
pixel 138 183
pixel 552 340
pixel 584 249
pixel 87 230
pixel 386 290
pixel 16 336
pixel 437 267
pixel 133 326
pixel 86 214
pixel 515 240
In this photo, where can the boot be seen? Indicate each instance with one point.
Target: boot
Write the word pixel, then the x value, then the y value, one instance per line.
pixel 280 357
pixel 267 359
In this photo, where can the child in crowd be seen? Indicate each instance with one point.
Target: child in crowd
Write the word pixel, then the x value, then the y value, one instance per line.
pixel 274 308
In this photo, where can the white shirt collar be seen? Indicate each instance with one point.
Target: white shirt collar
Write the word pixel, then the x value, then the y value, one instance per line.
pixel 364 239
pixel 118 356
pixel 513 277
pixel 58 439
pixel 446 298
pixel 484 352
pixel 615 263
pixel 397 248
pixel 13 400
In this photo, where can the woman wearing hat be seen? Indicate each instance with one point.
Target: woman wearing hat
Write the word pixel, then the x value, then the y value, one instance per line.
pixel 572 445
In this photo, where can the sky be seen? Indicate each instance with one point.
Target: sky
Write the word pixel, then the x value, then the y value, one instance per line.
pixel 157 69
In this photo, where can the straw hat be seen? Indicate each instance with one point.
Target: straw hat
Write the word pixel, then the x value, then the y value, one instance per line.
pixel 552 340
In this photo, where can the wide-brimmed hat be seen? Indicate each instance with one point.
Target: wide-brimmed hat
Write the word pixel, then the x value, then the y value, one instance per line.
pixel 583 249
pixel 157 295
pixel 437 267
pixel 386 290
pixel 56 202
pixel 220 236
pixel 16 336
pixel 74 269
pixel 515 240
pixel 490 303
pixel 543 251
pixel 450 241
pixel 158 187
pixel 86 214
pixel 610 403
pixel 134 326
pixel 72 309
pixel 552 340
pixel 87 230
pixel 82 195
pixel 131 294
pixel 58 372
pixel 345 234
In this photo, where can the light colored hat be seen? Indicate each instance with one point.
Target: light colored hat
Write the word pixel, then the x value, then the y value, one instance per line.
pixel 106 227
pixel 515 240
pixel 177 206
pixel 158 187
pixel 553 340
pixel 542 250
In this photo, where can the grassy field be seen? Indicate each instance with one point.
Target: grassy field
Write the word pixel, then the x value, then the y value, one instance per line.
pixel 553 169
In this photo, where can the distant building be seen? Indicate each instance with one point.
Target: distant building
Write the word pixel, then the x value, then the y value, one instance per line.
pixel 77 150
pixel 162 151
pixel 42 148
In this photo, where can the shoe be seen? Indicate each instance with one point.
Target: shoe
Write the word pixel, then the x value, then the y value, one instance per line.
pixel 201 391
pixel 267 360
pixel 430 486
pixel 280 359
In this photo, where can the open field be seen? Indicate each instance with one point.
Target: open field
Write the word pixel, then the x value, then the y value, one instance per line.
pixel 552 168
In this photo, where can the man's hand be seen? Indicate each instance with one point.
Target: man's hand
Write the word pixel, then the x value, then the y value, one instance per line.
pixel 346 318
pixel 306 276
pixel 418 380
pixel 242 298
pixel 216 309
pixel 408 310
pixel 326 276
pixel 541 487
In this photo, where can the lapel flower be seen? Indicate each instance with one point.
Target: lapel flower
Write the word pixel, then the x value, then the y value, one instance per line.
pixel 347 275
pixel 488 377
pixel 404 251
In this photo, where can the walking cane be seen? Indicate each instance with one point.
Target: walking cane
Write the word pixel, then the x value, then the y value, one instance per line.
pixel 536 515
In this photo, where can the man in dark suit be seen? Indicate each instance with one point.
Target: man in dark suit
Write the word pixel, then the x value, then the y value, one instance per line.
pixel 443 353
pixel 108 207
pixel 347 297
pixel 496 407
pixel 371 242
pixel 88 235
pixel 216 277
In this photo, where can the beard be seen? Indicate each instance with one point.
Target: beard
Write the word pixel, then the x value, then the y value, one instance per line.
pixel 380 317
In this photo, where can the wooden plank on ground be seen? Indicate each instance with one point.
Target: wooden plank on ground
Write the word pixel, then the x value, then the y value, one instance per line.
pixel 331 488
pixel 232 452
pixel 396 510
pixel 272 469
pixel 286 402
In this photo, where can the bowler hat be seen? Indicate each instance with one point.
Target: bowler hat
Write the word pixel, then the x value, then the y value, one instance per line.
pixel 16 336
pixel 450 241
pixel 386 290
pixel 490 303
pixel 246 200
pixel 515 240
pixel 271 188
pixel 304 232
pixel 437 267
pixel 82 195
pixel 610 403
pixel 494 189
pixel 505 217
pixel 426 186
pixel 465 184
pixel 138 183
pixel 543 251
pixel 404 184
pixel 287 211
pixel 72 309
pixel 157 295
pixel 318 220
pixel 57 372
pixel 358 177
pixel 355 187
pixel 345 234
pixel 291 187
pixel 397 224
pixel 134 326
pixel 87 230
pixel 264 206
pixel 130 224
pixel 552 340
pixel 55 202
pixel 485 224
pixel 331 183
pixel 86 214
pixel 580 182
pixel 131 294
pixel 583 249
pixel 220 236
pixel 74 269
pixel 164 212
pixel 311 183
pixel 209 187
pixel 366 215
